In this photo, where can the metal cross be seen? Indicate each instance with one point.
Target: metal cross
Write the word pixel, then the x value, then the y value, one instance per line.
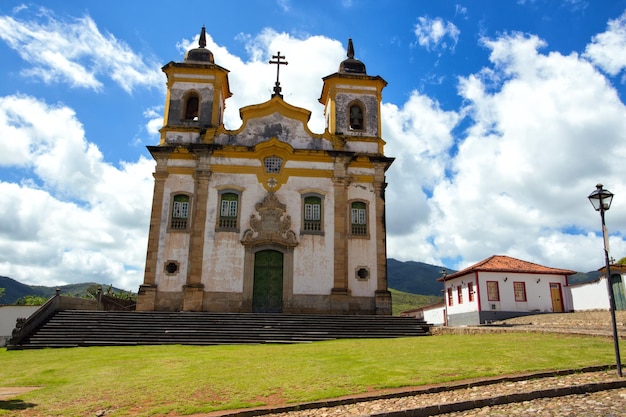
pixel 278 63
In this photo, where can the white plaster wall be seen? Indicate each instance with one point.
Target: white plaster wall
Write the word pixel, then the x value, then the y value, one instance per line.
pixel 291 131
pixel 313 257
pixel 172 246
pixel 466 306
pixel 362 146
pixel 434 316
pixel 8 318
pixel 537 293
pixel 362 252
pixel 590 296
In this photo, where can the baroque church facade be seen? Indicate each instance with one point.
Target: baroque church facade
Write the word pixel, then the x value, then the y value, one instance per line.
pixel 270 217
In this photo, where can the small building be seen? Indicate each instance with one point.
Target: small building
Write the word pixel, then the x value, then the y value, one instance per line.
pixel 594 295
pixel 501 287
pixel 432 314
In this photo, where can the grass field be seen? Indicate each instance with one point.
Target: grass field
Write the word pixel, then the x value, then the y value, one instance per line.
pixel 183 380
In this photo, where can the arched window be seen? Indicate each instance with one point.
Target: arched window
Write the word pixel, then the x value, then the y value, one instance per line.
pixel 192 106
pixel 357 117
pixel 180 212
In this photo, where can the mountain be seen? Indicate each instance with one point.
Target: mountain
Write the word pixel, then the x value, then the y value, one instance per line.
pixel 15 290
pixel 420 278
pixel 414 277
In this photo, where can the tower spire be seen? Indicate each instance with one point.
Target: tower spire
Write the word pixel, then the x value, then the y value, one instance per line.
pixel 350 49
pixel 202 41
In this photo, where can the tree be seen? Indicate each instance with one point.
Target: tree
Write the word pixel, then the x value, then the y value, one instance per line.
pixel 31 300
pixel 2 290
pixel 622 261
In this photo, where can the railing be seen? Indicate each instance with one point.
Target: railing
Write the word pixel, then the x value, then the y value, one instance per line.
pixel 25 326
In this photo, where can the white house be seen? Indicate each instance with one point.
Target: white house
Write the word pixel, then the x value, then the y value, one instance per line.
pixel 502 287
pixel 594 295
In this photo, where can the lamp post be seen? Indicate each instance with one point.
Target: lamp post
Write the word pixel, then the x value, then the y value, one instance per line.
pixel 444 274
pixel 601 201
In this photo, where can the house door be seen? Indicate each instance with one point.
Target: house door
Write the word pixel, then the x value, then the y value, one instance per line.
pixel 267 293
pixel 618 292
pixel 557 298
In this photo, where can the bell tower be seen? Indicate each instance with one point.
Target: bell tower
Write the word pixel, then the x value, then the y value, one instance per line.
pixel 196 93
pixel 352 99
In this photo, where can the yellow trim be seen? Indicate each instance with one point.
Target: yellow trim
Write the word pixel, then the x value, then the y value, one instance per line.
pixel 181 170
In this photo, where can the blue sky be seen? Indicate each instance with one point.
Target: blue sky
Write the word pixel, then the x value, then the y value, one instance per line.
pixel 502 117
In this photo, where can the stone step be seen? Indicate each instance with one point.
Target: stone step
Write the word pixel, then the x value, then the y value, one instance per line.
pixel 105 328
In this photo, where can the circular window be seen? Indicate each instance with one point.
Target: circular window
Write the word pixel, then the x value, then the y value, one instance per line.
pixel 362 273
pixel 171 267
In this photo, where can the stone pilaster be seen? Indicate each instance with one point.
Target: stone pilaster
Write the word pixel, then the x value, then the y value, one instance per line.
pixel 192 297
pixel 147 292
pixel 146 298
pixel 340 183
pixel 383 296
pixel 193 290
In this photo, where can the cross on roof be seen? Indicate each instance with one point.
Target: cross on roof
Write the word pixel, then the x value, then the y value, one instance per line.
pixel 278 63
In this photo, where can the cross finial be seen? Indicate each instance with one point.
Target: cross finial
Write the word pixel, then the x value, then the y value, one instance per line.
pixel 278 63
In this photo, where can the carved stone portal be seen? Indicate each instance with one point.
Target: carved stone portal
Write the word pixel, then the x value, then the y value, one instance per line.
pixel 274 226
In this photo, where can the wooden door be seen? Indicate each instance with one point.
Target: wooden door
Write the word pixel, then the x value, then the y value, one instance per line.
pixel 557 298
pixel 618 292
pixel 267 293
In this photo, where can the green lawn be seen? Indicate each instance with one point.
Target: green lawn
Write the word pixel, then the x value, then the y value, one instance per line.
pixel 157 380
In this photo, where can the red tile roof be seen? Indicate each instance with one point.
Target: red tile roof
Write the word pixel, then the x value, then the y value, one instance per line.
pixel 501 263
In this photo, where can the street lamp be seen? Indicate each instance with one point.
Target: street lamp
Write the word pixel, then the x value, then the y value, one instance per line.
pixel 601 201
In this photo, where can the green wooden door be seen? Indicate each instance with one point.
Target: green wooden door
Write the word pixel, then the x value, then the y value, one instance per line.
pixel 267 296
pixel 618 292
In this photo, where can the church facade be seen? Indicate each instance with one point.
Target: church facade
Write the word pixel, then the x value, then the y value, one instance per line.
pixel 270 217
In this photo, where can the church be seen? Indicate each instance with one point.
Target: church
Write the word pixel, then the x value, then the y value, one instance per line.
pixel 271 217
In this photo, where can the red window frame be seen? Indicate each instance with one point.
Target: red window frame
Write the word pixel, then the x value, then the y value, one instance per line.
pixel 459 293
pixel 470 291
pixel 493 291
pixel 519 289
pixel 450 302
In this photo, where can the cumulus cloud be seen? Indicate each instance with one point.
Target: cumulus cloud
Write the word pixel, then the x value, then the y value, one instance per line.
pixel 75 52
pixel 73 217
pixel 436 33
pixel 544 129
pixel 608 49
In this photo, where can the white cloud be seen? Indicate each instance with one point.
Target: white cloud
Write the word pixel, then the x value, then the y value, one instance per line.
pixel 86 220
pixel 76 52
pixel 608 49
pixel 436 33
pixel 544 129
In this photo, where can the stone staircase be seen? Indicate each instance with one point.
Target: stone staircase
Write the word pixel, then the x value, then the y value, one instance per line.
pixel 72 328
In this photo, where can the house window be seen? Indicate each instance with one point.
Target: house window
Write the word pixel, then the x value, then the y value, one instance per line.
pixel 192 105
pixel 358 218
pixel 229 208
pixel 450 296
pixel 273 164
pixel 493 292
pixel 356 117
pixel 520 291
pixel 470 291
pixel 459 293
pixel 312 214
pixel 180 212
